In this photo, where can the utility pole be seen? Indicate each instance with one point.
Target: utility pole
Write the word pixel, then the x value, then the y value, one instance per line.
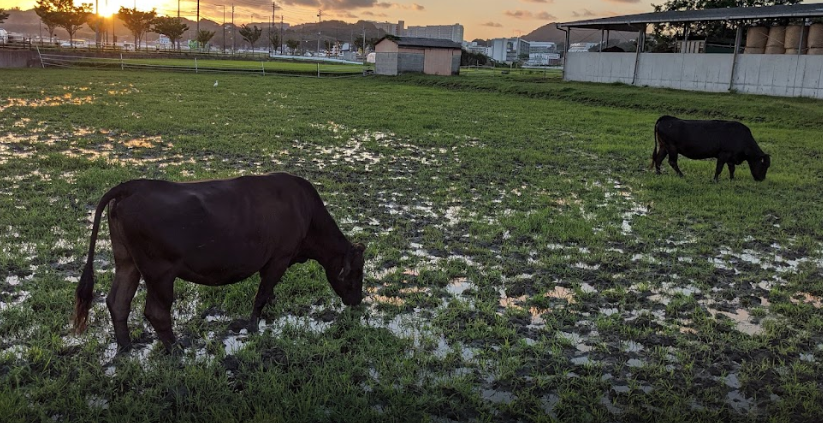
pixel 233 28
pixel 224 25
pixel 281 34
pixel 273 10
pixel 319 21
pixel 364 40
pixel 198 22
pixel 178 9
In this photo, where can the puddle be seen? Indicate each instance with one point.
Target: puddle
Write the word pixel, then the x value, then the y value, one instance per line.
pixel 742 321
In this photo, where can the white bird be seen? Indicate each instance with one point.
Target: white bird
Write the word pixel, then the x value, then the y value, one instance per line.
pixel 215 83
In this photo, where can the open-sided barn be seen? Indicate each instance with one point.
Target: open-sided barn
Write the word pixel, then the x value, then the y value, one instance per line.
pixel 780 60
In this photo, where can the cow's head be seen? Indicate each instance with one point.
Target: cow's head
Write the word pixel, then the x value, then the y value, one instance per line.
pixel 346 276
pixel 759 166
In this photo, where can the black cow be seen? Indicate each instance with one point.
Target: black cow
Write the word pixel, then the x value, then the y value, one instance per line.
pixel 214 233
pixel 728 141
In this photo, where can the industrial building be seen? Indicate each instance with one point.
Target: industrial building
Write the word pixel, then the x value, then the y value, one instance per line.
pixel 777 60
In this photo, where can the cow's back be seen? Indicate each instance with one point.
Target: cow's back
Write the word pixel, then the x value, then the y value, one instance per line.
pixel 224 228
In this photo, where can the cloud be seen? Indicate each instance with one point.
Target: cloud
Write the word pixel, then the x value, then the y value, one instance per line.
pixel 343 4
pixel 585 13
pixel 624 1
pixel 492 25
pixel 525 14
pixel 375 15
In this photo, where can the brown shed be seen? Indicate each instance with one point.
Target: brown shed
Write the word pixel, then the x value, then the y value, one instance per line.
pixel 422 55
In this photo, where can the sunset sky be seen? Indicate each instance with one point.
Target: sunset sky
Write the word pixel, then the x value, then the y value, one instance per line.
pixel 481 18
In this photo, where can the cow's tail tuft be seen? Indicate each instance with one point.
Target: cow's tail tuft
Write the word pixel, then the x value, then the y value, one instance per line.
pixel 85 289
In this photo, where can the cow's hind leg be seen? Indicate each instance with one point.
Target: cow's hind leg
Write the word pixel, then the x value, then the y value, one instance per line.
pixel 673 162
pixel 731 171
pixel 270 275
pixel 159 297
pixel 126 280
pixel 658 159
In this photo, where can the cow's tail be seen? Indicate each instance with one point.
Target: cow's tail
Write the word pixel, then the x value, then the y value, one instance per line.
pixel 656 142
pixel 84 293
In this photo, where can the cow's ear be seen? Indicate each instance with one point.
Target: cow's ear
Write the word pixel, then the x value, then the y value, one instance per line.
pixel 360 248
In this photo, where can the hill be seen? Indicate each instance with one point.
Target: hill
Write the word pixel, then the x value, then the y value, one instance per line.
pixel 549 32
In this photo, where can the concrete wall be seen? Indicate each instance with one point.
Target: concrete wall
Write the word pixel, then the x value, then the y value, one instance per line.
pixel 385 63
pixel 411 62
pixel 600 67
pixel 695 72
pixel 768 74
pixel 18 59
pixel 780 74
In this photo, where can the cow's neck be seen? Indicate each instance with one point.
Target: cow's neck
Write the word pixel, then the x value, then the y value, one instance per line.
pixel 324 241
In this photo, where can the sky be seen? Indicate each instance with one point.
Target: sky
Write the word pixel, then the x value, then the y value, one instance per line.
pixel 480 18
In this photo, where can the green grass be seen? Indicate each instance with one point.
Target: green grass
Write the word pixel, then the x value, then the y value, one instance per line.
pixel 214 65
pixel 523 262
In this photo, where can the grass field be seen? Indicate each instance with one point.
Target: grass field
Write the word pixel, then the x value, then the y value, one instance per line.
pixel 294 67
pixel 523 262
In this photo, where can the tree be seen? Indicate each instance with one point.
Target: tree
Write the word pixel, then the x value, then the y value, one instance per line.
pixel 250 34
pixel 715 30
pixel 63 14
pixel 71 17
pixel 137 22
pixel 170 27
pixel 292 45
pixel 203 37
pixel 3 15
pixel 48 15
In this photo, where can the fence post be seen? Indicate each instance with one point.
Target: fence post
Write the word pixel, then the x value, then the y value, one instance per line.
pixel 40 55
pixel 263 66
pixel 121 62
pixel 318 70
pixel 195 65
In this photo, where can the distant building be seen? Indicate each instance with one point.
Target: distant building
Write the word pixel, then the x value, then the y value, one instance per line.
pixel 4 36
pixel 394 56
pixel 542 47
pixel 440 32
pixel 474 48
pixel 397 29
pixel 509 50
pixel 580 47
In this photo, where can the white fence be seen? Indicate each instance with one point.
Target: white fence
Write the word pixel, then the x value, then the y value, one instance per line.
pixel 768 74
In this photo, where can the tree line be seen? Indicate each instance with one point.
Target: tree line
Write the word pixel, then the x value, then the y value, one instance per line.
pixel 70 17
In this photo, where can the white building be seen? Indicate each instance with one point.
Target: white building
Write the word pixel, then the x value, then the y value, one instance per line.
pixel 542 47
pixel 509 50
pixel 4 36
pixel 580 47
pixel 441 32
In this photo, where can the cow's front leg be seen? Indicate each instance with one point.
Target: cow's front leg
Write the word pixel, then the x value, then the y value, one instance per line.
pixel 721 161
pixel 731 171
pixel 270 276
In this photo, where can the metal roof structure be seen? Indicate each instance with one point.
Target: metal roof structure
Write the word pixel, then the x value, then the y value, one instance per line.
pixel 638 22
pixel 422 42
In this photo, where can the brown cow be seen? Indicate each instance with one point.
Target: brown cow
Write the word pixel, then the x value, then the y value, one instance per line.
pixel 214 233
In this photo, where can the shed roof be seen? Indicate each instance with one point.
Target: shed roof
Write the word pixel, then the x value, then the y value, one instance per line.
pixel 638 22
pixel 423 42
